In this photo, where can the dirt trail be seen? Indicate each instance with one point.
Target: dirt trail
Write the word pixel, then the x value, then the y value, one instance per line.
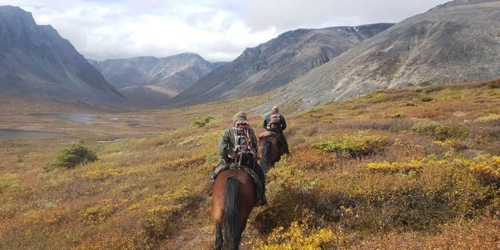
pixel 201 237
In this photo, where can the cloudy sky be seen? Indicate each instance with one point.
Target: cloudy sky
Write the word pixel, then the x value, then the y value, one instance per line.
pixel 218 30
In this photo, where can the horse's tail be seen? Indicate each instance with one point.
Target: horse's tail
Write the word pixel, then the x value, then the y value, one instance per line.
pixel 232 223
pixel 265 162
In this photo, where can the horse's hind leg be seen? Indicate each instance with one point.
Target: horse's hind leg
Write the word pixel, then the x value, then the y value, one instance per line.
pixel 218 236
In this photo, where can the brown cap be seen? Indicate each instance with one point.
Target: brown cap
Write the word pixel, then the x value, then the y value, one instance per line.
pixel 240 116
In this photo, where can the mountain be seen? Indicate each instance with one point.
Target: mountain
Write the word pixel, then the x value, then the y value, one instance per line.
pixel 454 42
pixel 275 63
pixel 149 81
pixel 36 61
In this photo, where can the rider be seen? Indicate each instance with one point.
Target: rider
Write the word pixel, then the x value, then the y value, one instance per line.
pixel 246 157
pixel 279 130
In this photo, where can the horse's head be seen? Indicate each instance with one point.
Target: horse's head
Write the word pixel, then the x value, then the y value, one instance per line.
pixel 275 127
pixel 270 150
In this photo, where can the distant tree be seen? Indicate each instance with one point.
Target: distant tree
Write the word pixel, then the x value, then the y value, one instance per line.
pixel 202 121
pixel 73 156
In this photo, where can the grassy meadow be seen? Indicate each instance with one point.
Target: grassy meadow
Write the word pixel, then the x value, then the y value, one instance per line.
pixel 395 169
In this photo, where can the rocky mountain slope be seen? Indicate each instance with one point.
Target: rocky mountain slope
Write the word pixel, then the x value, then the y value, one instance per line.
pixel 276 63
pixel 36 61
pixel 149 81
pixel 455 42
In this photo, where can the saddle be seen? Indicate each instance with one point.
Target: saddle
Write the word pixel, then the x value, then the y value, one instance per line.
pixel 268 134
pixel 259 188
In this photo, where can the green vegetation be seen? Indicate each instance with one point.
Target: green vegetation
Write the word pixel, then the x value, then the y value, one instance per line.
pixel 441 132
pixel 202 121
pixel 73 156
pixel 426 99
pixel 382 171
pixel 355 146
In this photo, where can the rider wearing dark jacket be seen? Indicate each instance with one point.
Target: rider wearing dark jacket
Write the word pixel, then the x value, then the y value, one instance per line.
pixel 282 138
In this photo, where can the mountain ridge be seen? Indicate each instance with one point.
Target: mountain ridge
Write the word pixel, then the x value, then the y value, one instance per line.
pixel 430 48
pixel 275 63
pixel 453 42
pixel 149 81
pixel 36 61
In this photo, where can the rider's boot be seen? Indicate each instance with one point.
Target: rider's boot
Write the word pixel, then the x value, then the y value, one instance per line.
pixel 217 170
pixel 286 151
pixel 284 143
pixel 285 146
pixel 263 200
pixel 214 174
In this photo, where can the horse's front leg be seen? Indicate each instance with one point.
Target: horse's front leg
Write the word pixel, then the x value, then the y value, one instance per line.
pixel 218 236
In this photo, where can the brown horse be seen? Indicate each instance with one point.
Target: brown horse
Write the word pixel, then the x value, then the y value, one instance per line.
pixel 269 150
pixel 233 198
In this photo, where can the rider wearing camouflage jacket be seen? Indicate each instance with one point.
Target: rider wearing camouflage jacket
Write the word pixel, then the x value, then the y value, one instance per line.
pixel 227 142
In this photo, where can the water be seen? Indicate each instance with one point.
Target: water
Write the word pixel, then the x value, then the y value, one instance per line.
pixel 12 133
pixel 83 118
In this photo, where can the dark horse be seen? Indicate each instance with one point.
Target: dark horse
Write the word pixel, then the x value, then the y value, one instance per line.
pixel 269 150
pixel 233 198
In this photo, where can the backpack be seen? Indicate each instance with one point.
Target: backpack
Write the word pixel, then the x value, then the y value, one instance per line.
pixel 274 123
pixel 275 119
pixel 243 142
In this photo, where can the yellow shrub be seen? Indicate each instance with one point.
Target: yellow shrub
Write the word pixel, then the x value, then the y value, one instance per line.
pixel 161 218
pixel 291 191
pixel 99 213
pixel 396 166
pixel 489 118
pixel 484 167
pixel 301 237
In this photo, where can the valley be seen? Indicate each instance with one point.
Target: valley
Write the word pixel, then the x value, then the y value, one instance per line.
pixel 417 169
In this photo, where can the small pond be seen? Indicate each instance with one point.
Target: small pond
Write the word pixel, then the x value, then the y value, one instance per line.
pixel 12 133
pixel 83 118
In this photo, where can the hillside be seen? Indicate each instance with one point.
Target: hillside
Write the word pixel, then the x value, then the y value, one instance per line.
pixel 35 61
pixel 414 168
pixel 451 43
pixel 300 69
pixel 275 63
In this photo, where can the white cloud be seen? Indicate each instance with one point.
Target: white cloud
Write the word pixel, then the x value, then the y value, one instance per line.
pixel 218 30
